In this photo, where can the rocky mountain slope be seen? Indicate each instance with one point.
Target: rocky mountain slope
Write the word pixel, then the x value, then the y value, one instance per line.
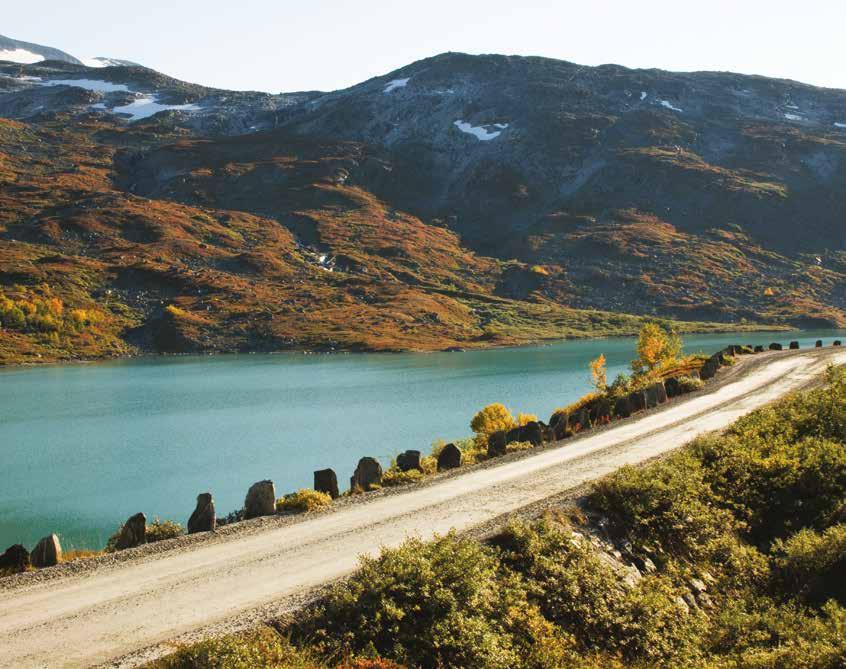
pixel 460 201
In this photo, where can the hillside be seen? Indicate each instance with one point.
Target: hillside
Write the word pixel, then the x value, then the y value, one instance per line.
pixel 460 201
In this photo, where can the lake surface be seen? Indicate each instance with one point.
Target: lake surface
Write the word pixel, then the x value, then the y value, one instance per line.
pixel 83 447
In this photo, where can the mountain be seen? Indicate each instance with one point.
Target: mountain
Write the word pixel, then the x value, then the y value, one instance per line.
pixel 459 201
pixel 25 52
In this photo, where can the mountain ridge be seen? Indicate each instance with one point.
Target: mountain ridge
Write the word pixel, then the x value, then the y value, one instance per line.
pixel 543 187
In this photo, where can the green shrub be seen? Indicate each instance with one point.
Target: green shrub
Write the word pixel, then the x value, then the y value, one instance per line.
pixel 395 477
pixel 260 649
pixel 424 604
pixel 812 565
pixel 304 500
pixel 688 384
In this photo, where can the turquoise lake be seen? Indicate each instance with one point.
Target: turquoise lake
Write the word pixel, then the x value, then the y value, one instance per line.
pixel 85 446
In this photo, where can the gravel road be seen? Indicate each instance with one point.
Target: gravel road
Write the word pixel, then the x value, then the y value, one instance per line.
pixel 119 612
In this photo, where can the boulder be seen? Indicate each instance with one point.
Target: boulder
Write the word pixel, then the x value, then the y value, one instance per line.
pixel 325 480
pixel 583 418
pixel 653 398
pixel 47 552
pixel 133 533
pixel 409 460
pixel 367 476
pixel 673 387
pixel 711 365
pixel 514 434
pixel 836 342
pixel 532 432
pixel 818 344
pixel 660 391
pixel 497 443
pixel 449 457
pixel 15 558
pixel 203 519
pixel 637 400
pixel 260 500
pixel 623 407
pixel 559 426
pixel 794 345
pixel 775 346
pixel 759 349
pixel 600 411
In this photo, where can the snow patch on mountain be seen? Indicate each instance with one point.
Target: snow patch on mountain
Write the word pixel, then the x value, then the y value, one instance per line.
pixel 669 105
pixel 145 107
pixel 839 125
pixel 396 83
pixel 20 56
pixel 481 132
pixel 95 85
pixel 793 117
pixel 643 95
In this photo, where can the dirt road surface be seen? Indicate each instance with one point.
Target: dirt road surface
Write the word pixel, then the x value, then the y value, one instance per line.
pixel 116 611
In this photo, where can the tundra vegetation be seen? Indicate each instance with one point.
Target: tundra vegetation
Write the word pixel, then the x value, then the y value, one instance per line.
pixel 740 538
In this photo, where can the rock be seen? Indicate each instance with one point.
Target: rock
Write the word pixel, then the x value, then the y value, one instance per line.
pixel 15 558
pixel 691 600
pixel 776 346
pixel 203 519
pixel 47 552
pixel 623 407
pixel 260 500
pixel 409 460
pixel 759 349
pixel 497 443
pixel 704 600
pixel 683 606
pixel 512 435
pixel 532 432
pixel 637 400
pixel 794 345
pixel 325 480
pixel 655 395
pixel 698 585
pixel 818 344
pixel 449 457
pixel 367 476
pixel 559 426
pixel 836 342
pixel 600 411
pixel 711 365
pixel 673 387
pixel 133 533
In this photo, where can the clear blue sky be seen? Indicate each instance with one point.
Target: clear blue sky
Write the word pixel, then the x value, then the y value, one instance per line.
pixel 285 45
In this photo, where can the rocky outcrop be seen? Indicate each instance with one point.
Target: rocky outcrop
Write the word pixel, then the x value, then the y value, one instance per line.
pixel 409 460
pixel 600 411
pixel 637 400
pixel 759 349
pixel 449 457
pixel 818 343
pixel 326 481
pixel 775 346
pixel 836 342
pixel 710 366
pixel 15 558
pixel 367 475
pixel 47 553
pixel 673 387
pixel 655 394
pixel 559 426
pixel 260 500
pixel 203 519
pixel 794 345
pixel 133 533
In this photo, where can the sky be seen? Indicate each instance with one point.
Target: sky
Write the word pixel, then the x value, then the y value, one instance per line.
pixel 285 45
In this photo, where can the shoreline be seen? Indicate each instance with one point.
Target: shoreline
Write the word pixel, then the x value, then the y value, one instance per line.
pixel 30 364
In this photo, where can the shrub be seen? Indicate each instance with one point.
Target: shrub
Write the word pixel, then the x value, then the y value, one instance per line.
pixel 812 564
pixel 519 446
pixel 657 345
pixel 492 418
pixel 688 384
pixel 424 604
pixel 262 648
pixel 304 500
pixel 525 418
pixel 158 530
pixel 395 477
pixel 599 374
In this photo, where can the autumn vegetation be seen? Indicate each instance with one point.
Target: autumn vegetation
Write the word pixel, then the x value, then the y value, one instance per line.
pixel 745 531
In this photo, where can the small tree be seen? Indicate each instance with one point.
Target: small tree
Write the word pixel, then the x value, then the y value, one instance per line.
pixel 492 418
pixel 657 344
pixel 599 373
